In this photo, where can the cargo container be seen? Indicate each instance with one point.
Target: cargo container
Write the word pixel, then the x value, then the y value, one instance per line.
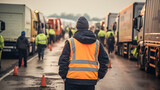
pixel 17 18
pixel 109 20
pixel 126 32
pixel 148 25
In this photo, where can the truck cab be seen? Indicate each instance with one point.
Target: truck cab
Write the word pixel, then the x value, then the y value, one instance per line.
pixel 148 25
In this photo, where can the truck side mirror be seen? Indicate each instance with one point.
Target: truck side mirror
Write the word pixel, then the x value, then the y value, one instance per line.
pixel 2 25
pixel 42 25
pixel 135 23
pixel 141 22
pixel 35 25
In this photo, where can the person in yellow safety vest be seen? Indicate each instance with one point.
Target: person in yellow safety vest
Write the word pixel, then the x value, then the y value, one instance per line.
pixel 78 63
pixel 51 35
pixel 67 29
pixel 48 35
pixel 101 35
pixel 73 30
pixel 41 42
pixel 1 47
pixel 134 51
pixel 109 33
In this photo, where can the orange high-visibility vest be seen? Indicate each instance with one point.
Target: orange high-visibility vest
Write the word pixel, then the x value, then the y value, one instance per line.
pixel 83 60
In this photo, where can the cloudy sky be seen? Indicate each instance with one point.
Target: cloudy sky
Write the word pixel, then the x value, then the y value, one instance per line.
pixel 95 8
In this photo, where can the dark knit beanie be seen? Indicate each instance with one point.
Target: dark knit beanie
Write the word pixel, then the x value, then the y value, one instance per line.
pixel 23 33
pixel 82 23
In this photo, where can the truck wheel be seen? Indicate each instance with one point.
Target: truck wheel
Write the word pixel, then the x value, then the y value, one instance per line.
pixel 33 48
pixel 157 68
pixel 129 53
pixel 157 71
pixel 130 56
pixel 140 64
pixel 120 52
pixel 147 67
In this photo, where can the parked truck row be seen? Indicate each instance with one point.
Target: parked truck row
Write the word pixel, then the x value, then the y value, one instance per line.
pixel 137 34
pixel 17 18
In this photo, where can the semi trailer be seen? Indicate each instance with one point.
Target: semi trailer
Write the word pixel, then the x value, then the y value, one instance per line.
pixel 125 35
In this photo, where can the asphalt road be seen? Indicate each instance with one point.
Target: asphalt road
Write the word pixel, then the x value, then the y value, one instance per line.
pixel 124 75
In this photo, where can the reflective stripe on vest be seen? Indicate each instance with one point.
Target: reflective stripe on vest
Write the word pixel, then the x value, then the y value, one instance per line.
pixel 86 66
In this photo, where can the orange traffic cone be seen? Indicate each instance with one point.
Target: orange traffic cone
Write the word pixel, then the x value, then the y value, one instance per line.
pixel 51 43
pixel 49 46
pixel 109 66
pixel 43 82
pixel 22 61
pixel 15 73
pixel 57 41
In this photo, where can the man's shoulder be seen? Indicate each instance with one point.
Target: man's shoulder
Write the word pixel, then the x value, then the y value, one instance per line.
pixel 18 37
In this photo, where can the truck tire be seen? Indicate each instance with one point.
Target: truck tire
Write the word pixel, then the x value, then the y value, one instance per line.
pixel 140 62
pixel 157 68
pixel 122 51
pixel 130 56
pixel 33 48
pixel 129 53
pixel 147 67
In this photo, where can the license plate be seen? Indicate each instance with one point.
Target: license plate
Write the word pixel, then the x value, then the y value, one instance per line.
pixel 7 50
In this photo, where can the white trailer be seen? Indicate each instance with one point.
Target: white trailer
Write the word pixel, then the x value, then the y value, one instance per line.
pixel 109 20
pixel 17 18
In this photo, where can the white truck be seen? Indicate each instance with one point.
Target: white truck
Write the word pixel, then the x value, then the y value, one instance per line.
pixel 109 20
pixel 17 18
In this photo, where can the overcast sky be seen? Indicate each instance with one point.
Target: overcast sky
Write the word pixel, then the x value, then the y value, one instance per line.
pixel 95 8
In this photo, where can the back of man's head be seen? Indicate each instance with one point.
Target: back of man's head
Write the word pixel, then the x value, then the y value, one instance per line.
pixel 82 24
pixel 109 30
pixel 111 34
pixel 41 31
pixel 102 28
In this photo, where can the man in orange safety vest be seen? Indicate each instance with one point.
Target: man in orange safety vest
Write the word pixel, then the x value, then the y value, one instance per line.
pixel 78 63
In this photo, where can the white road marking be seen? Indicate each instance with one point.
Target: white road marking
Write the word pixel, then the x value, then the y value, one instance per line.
pixel 17 68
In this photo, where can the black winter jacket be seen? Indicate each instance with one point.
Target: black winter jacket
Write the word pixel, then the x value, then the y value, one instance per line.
pixel 22 43
pixel 85 37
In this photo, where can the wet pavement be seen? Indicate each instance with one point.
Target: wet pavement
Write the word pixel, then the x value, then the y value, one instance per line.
pixel 30 77
pixel 124 75
pixel 7 64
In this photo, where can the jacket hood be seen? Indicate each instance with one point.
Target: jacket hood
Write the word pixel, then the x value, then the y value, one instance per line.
pixel 85 36
pixel 22 37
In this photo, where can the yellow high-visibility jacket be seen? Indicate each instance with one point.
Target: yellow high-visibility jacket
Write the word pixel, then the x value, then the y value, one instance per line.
pixel 41 39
